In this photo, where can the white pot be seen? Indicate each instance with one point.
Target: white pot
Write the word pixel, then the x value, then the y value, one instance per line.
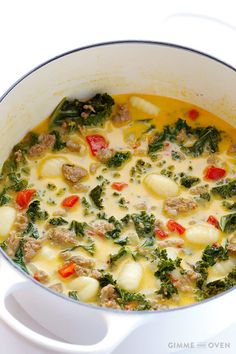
pixel 120 67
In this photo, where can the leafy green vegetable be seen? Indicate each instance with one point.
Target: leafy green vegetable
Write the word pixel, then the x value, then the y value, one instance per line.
pixel 175 155
pixel 205 196
pixel 116 256
pixel 16 183
pixel 228 222
pixel 4 198
pixel 19 257
pixel 96 196
pixel 226 190
pixel 106 279
pixel 189 181
pixel 34 212
pixel 115 233
pixel 208 139
pixel 57 221
pixel 229 205
pixel 31 230
pixel 137 299
pixel 144 224
pixel 73 294
pixel 78 227
pixel 121 241
pixel 118 159
pixel 59 144
pixel 164 267
pixel 92 112
pixel 90 248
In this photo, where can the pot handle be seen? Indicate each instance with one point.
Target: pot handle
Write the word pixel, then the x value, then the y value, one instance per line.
pixel 119 326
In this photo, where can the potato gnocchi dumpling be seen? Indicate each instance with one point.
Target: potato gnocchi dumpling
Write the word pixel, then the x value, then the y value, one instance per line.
pixel 124 202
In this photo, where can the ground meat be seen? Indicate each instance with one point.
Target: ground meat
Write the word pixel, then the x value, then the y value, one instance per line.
pixel 100 227
pixel 47 140
pixel 181 136
pixel 36 150
pixel 108 297
pixel 156 305
pixel 83 261
pixel 171 242
pixel 73 173
pixel 213 160
pixel 30 248
pixel 187 281
pixel 21 222
pixel 73 146
pixel 81 271
pixel 88 108
pixel 56 287
pixel 232 149
pixel 12 243
pixel 198 190
pixel 95 274
pixel 62 236
pixel 41 276
pixel 18 156
pixel 122 114
pixel 232 243
pixel 175 206
pixel 104 154
pixel 93 167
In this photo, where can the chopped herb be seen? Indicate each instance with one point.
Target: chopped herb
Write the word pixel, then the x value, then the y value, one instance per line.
pixel 189 181
pixel 122 203
pixel 118 159
pixel 175 155
pixel 228 223
pixel 226 190
pixel 73 295
pixel 51 186
pixel 35 213
pixel 57 221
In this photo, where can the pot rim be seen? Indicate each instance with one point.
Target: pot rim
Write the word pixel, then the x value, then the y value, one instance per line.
pixel 102 44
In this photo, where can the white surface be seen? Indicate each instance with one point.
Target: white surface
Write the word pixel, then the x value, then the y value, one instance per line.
pixel 35 31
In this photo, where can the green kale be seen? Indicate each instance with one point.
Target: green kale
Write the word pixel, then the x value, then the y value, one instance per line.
pixel 73 294
pixel 164 267
pixel 175 155
pixel 115 233
pixel 57 221
pixel 90 248
pixel 144 224
pixel 229 205
pixel 4 198
pixel 228 223
pixel 226 190
pixel 31 230
pixel 16 183
pixel 116 256
pixel 96 196
pixel 34 212
pixel 205 196
pixel 78 227
pixel 93 112
pixel 137 299
pixel 189 181
pixel 19 257
pixel 121 241
pixel 106 279
pixel 59 144
pixel 118 159
pixel 208 139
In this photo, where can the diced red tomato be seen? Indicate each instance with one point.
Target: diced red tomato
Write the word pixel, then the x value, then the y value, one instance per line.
pixel 193 114
pixel 67 270
pixel 161 233
pixel 213 221
pixel 175 227
pixel 24 197
pixel 214 173
pixel 119 186
pixel 96 142
pixel 70 201
pixel 36 277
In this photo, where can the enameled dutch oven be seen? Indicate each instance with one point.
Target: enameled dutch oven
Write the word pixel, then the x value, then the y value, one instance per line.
pixel 117 67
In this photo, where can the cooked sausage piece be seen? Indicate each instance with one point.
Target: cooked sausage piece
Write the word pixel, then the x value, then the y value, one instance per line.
pixel 73 173
pixel 105 154
pixel 108 297
pixel 175 206
pixel 30 248
pixel 232 243
pixel 62 236
pixel 12 243
pixel 122 114
pixel 21 222
pixel 198 190
pixel 46 141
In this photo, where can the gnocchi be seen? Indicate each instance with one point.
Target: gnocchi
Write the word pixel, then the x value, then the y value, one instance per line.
pixel 144 105
pixel 130 276
pixel 202 234
pixel 52 167
pixel 7 218
pixel 86 287
pixel 161 186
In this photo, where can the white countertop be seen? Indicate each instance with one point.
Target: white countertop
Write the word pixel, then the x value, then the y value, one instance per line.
pixel 34 31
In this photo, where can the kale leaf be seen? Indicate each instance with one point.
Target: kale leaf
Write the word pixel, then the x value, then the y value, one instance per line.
pixel 73 294
pixel 78 227
pixel 226 190
pixel 228 222
pixel 116 256
pixel 144 224
pixel 118 159
pixel 96 196
pixel 16 183
pixel 92 112
pixel 208 139
pixel 57 221
pixel 59 144
pixel 19 257
pixel 4 198
pixel 189 181
pixel 34 212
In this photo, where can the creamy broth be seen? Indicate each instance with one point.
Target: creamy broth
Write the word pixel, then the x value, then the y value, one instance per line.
pixel 124 202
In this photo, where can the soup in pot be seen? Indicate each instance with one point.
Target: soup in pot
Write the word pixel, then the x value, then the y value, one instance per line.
pixel 127 202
